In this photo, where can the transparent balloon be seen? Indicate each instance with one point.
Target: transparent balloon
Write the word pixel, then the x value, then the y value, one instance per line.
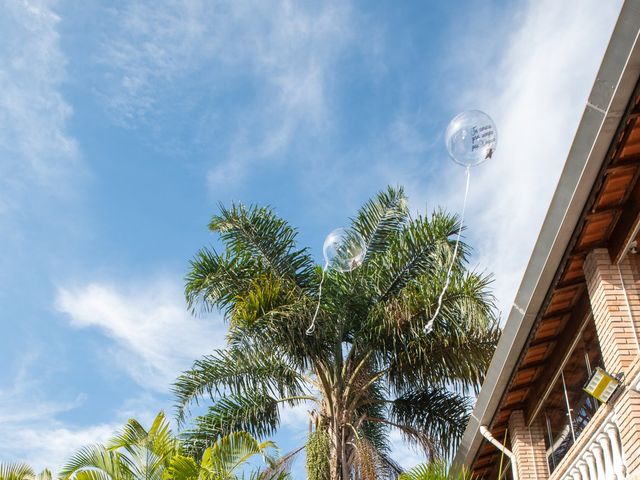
pixel 471 138
pixel 344 250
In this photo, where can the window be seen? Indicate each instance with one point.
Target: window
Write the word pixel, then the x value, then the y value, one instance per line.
pixel 568 408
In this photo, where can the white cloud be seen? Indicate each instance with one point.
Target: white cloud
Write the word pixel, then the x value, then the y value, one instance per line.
pixel 295 420
pixel 35 148
pixel 154 337
pixel 548 71
pixel 535 85
pixel 31 430
pixel 49 444
pixel 39 159
pixel 34 417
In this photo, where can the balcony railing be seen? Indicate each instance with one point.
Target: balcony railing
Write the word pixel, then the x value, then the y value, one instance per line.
pixel 596 455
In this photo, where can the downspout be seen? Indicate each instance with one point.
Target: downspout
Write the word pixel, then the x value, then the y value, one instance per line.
pixel 487 434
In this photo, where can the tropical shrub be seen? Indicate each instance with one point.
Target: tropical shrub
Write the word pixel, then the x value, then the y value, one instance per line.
pixel 435 471
pixel 22 471
pixel 156 454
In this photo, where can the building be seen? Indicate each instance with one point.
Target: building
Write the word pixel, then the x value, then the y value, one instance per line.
pixel 578 306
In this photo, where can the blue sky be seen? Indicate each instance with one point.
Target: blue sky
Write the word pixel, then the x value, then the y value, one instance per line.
pixel 123 124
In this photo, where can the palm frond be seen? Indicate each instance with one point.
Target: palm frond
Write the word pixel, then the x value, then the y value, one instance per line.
pixel 232 451
pixel 182 467
pixel 258 232
pixel 389 467
pixel 148 452
pixel 381 218
pixel 16 471
pixel 438 470
pixel 456 353
pixel 215 281
pixel 375 406
pixel 457 362
pixel 255 413
pixel 278 468
pixel 413 253
pixel 439 414
pixel 237 372
pixel 106 463
pixel 91 475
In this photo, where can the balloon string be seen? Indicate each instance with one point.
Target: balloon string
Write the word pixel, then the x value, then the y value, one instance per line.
pixel 429 326
pixel 312 327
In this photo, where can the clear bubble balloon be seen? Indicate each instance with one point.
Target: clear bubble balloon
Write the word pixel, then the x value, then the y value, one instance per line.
pixel 344 250
pixel 471 138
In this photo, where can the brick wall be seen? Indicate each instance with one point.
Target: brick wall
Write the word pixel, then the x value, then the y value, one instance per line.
pixel 527 444
pixel 615 326
pixel 610 313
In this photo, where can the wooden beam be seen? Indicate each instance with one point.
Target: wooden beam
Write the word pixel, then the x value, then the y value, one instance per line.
pixel 583 251
pixel 555 363
pixel 560 313
pixel 571 283
pixel 630 162
pixel 623 162
pixel 599 213
pixel 626 225
pixel 519 389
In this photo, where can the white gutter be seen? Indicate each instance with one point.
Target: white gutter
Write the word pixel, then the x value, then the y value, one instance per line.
pixel 487 434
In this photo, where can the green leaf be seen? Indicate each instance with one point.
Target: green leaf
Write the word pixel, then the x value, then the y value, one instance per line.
pixel 255 413
pixel 381 218
pixel 437 413
pixel 258 232
pixel 413 253
pixel 16 471
pixel 238 372
pixel 105 463
pixel 434 471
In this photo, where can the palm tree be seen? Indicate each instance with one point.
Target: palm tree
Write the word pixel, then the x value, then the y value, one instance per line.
pixel 370 366
pixel 435 471
pixel 225 460
pixel 22 471
pixel 156 454
pixel 133 454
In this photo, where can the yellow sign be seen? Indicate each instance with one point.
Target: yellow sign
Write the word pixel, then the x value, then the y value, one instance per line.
pixel 601 385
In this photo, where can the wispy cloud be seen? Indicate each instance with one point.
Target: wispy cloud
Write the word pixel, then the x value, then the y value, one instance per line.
pixel 40 162
pixel 35 148
pixel 547 73
pixel 535 85
pixel 24 383
pixel 153 337
pixel 50 444
pixel 273 58
pixel 32 431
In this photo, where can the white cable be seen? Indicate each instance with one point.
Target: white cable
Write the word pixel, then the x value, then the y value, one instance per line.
pixel 569 409
pixel 429 326
pixel 312 327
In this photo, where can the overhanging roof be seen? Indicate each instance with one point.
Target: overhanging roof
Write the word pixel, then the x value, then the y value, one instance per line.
pixel 614 85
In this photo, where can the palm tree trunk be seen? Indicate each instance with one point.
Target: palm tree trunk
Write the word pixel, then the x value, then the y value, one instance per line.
pixel 336 433
pixel 336 454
